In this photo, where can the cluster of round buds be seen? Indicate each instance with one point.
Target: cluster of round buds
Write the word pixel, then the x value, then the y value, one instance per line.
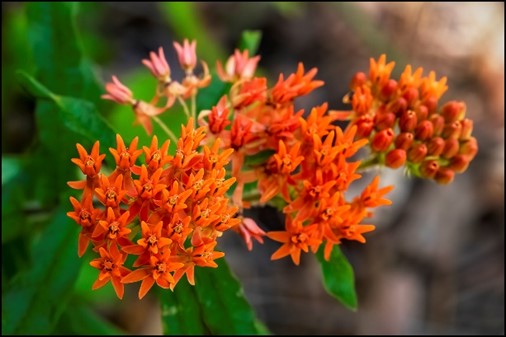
pixel 405 124
pixel 169 211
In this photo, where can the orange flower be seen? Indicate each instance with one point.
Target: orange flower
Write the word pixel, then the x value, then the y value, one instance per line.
pixel 158 271
pixel 111 195
pixel 111 269
pixel 380 71
pixel 90 165
pixel 152 242
pixel 295 238
pixel 85 216
pixel 113 229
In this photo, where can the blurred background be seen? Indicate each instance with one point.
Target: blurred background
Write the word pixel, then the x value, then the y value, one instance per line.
pixel 434 264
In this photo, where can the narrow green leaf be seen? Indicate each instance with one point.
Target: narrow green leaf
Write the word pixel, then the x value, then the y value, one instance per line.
pixel 338 277
pixel 82 320
pixel 181 311
pixel 224 307
pixel 10 168
pixel 36 298
pixel 258 158
pixel 215 305
pixel 76 114
pixel 58 52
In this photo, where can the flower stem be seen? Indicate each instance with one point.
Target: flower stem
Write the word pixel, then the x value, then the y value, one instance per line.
pixel 171 135
pixel 369 163
pixel 194 109
pixel 185 107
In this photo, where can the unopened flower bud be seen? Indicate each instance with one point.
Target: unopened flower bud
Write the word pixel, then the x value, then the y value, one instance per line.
pixel 358 80
pixel 382 140
pixel 451 148
pixel 404 140
pixel 467 129
pixel 452 130
pixel 410 95
pixel 438 124
pixel 389 88
pixel 459 163
pixel 435 146
pixel 428 168
pixel 395 158
pixel 469 148
pixel 384 120
pixel 431 104
pixel 408 121
pixel 453 111
pixel 417 153
pixel 444 176
pixel 422 113
pixel 364 126
pixel 399 106
pixel 424 130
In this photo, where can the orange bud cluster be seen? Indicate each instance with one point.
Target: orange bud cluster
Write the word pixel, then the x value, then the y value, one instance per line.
pixel 169 211
pixel 406 127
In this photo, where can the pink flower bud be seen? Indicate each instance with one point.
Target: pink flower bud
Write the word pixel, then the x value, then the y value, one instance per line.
pixel 438 123
pixel 469 148
pixel 158 65
pixel 358 80
pixel 118 92
pixel 187 55
pixel 452 130
pixel 384 120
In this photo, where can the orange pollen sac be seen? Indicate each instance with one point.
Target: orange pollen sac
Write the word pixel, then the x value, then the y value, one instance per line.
pixel 225 218
pixel 206 255
pixel 161 267
pixel 156 156
pixel 108 265
pixel 213 159
pixel 152 240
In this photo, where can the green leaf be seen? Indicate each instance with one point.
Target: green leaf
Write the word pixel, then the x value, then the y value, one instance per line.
pixel 58 52
pixel 83 320
pixel 250 40
pixel 215 305
pixel 36 298
pixel 181 311
pixel 259 158
pixel 338 277
pixel 76 114
pixel 10 168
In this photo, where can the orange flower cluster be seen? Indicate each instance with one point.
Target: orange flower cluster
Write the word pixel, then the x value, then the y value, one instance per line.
pixel 173 208
pixel 406 127
pixel 303 162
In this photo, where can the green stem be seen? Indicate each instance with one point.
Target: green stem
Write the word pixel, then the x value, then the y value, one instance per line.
pixel 164 127
pixel 194 109
pixel 369 163
pixel 185 107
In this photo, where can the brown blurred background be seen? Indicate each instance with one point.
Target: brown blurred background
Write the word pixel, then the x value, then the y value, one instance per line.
pixel 435 263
